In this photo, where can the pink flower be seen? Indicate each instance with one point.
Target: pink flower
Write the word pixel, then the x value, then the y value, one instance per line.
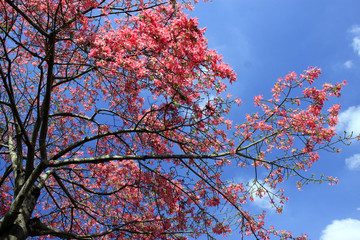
pixel 257 100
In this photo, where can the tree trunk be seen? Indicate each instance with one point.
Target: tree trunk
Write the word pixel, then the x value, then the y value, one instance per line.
pixel 19 229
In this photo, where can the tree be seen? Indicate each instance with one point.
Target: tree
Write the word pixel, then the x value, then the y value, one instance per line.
pixel 113 126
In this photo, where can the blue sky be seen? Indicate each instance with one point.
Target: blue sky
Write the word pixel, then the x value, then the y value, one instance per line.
pixel 263 40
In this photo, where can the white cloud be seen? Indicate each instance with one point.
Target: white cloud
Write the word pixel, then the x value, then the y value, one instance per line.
pixel 265 201
pixel 356 45
pixel 345 229
pixel 355 30
pixel 349 120
pixel 353 163
pixel 348 64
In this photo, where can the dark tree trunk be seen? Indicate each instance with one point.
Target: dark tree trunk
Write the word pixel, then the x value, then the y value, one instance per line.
pixel 20 228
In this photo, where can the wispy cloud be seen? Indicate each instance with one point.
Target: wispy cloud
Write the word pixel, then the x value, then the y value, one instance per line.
pixel 348 64
pixel 349 120
pixel 345 229
pixel 265 201
pixel 355 30
pixel 269 201
pixel 261 202
pixel 356 45
pixel 353 162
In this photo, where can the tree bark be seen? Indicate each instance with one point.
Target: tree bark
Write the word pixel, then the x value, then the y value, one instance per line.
pixel 19 230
